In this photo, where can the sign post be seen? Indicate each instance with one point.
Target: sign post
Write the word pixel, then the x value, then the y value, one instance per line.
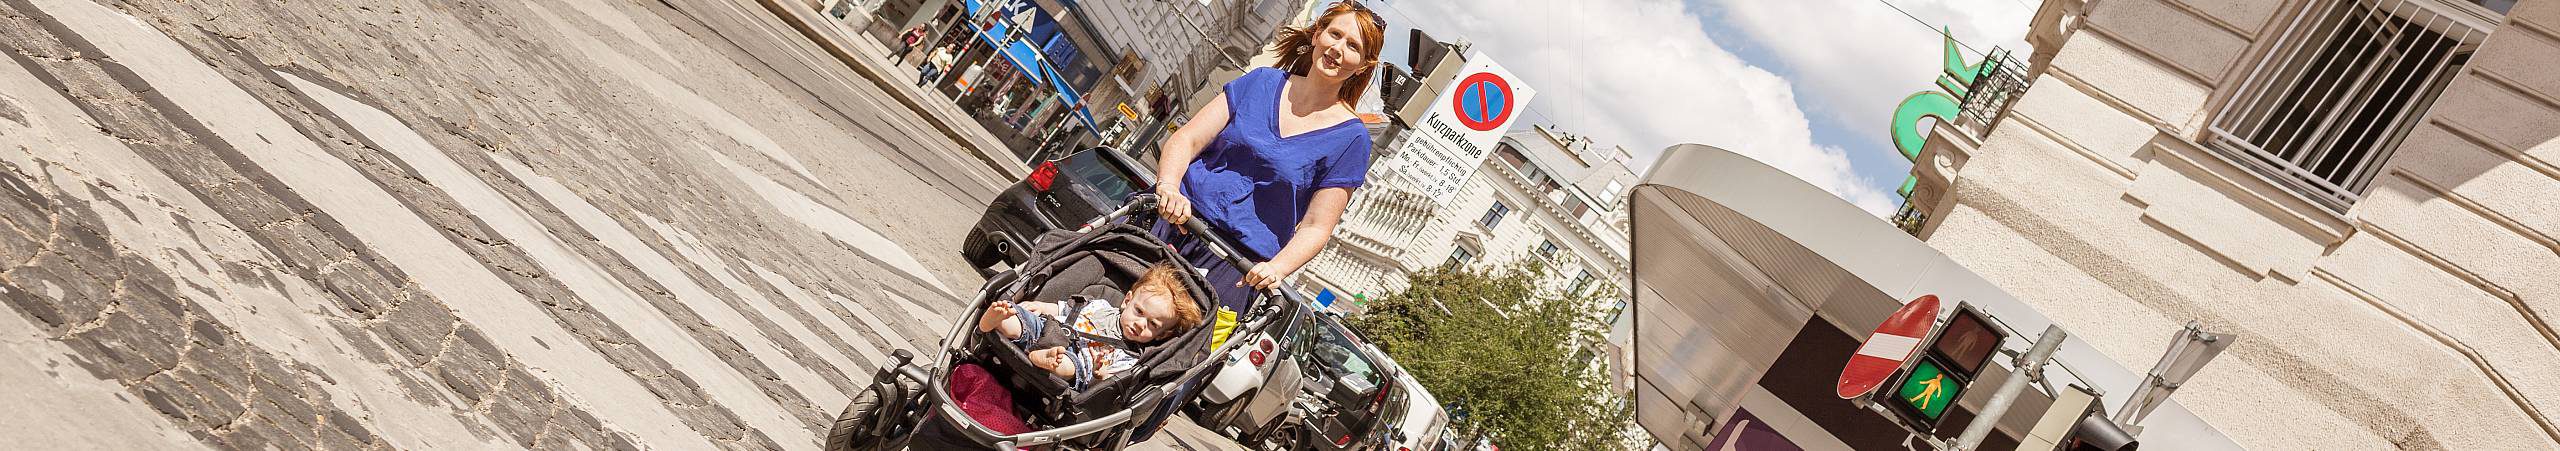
pixel 1459 131
pixel 2030 367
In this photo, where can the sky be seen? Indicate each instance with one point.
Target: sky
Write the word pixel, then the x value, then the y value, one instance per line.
pixel 1806 86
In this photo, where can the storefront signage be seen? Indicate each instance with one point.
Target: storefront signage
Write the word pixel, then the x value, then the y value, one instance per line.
pixel 1944 104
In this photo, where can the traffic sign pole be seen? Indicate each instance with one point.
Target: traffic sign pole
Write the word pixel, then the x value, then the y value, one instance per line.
pixel 2030 366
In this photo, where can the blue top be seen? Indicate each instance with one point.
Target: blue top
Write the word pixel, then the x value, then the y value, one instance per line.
pixel 1253 185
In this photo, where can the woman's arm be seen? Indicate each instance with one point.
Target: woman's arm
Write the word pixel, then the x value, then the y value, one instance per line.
pixel 1324 211
pixel 1175 154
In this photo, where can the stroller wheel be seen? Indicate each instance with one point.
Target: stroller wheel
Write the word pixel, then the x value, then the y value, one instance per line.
pixel 859 427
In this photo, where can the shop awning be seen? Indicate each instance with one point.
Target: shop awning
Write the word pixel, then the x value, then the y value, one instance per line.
pixel 1033 64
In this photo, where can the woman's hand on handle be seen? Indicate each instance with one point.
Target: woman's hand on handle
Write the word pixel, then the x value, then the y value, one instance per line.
pixel 1172 206
pixel 1266 274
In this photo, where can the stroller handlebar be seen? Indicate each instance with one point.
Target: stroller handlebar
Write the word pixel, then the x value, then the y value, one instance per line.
pixel 1218 244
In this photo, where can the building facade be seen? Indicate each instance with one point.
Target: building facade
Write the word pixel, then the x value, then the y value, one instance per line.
pixel 2363 191
pixel 1174 56
pixel 1544 195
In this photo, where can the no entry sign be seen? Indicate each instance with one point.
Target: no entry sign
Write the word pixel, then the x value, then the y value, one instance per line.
pixel 1894 342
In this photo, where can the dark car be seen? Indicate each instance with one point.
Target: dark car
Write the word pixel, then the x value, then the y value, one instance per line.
pixel 1060 194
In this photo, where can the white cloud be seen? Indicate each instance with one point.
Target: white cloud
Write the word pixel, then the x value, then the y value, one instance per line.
pixel 1857 59
pixel 1646 74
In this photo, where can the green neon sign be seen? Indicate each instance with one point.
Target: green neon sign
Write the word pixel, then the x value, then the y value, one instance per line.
pixel 1944 104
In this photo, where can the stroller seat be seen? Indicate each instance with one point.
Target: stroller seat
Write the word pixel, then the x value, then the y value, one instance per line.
pixel 1097 265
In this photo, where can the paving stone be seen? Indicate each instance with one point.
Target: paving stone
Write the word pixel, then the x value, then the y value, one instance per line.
pixel 20 199
pixel 220 404
pixel 246 435
pixel 348 425
pixel 205 332
pixel 305 246
pixel 285 411
pixel 17 246
pixel 357 288
pixel 67 295
pixel 331 439
pixel 224 367
pixel 125 349
pixel 417 329
pixel 37 307
pixel 520 412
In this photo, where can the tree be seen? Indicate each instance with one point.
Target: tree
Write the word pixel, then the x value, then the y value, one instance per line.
pixel 1506 350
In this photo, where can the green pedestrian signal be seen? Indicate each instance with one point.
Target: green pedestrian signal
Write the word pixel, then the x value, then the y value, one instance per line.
pixel 1929 390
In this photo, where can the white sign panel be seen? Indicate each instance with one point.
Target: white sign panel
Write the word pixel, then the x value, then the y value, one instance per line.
pixel 1459 131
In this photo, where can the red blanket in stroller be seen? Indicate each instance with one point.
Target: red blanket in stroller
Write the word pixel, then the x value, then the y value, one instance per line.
pixel 986 400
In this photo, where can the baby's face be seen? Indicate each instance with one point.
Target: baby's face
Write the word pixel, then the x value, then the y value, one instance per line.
pixel 1145 316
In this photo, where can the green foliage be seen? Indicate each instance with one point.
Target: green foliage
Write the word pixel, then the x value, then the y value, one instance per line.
pixel 1513 355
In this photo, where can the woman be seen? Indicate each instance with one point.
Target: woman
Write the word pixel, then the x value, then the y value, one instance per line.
pixel 933 66
pixel 907 42
pixel 1272 161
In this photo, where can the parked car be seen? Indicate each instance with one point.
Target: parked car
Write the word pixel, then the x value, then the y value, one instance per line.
pixel 1324 390
pixel 1065 193
pixel 1424 421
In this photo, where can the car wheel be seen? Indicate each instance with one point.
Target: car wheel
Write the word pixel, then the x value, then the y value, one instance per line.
pixel 979 250
pixel 1223 415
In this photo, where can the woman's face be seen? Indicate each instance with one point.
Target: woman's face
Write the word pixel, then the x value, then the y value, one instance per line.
pixel 1336 49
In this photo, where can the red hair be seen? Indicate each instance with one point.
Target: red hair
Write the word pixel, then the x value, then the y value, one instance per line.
pixel 1297 46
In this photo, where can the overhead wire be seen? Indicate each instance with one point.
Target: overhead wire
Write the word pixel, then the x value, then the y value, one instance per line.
pixel 1935 28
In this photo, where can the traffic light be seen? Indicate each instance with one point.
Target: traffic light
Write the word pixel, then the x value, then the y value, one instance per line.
pixel 2077 421
pixel 1952 356
pixel 2097 433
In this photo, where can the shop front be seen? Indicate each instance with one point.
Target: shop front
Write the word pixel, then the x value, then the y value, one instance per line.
pixel 1017 73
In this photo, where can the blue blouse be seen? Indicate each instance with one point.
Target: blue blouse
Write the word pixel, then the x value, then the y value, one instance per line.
pixel 1253 185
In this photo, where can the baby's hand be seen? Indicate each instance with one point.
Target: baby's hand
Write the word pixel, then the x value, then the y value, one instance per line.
pixel 996 314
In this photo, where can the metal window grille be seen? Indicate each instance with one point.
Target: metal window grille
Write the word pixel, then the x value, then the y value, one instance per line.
pixel 2347 81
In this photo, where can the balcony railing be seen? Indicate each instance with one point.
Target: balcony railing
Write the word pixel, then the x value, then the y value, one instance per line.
pixel 1996 85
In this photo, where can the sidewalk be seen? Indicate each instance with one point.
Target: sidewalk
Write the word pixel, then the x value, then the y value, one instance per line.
pixel 871 59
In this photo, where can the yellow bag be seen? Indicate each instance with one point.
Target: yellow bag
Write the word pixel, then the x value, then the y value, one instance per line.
pixel 1219 328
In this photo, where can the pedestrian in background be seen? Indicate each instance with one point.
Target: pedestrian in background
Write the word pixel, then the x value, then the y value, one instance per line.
pixel 1272 161
pixel 933 66
pixel 907 42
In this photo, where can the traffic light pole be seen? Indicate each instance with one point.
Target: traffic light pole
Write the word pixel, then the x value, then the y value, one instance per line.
pixel 2030 367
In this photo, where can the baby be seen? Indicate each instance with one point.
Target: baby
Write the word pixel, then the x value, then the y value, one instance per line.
pixel 1155 308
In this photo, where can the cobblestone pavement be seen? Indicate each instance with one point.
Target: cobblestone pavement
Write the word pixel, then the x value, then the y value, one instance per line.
pixel 449 224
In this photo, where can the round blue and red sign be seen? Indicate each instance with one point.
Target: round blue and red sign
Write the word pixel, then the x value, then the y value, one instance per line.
pixel 1483 102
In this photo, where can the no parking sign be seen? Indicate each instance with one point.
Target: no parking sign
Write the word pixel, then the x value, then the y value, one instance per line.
pixel 1458 133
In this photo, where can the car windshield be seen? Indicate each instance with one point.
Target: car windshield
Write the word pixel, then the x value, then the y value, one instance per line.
pixel 1096 180
pixel 1335 352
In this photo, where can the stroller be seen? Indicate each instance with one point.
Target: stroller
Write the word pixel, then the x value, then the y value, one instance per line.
pixel 910 403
